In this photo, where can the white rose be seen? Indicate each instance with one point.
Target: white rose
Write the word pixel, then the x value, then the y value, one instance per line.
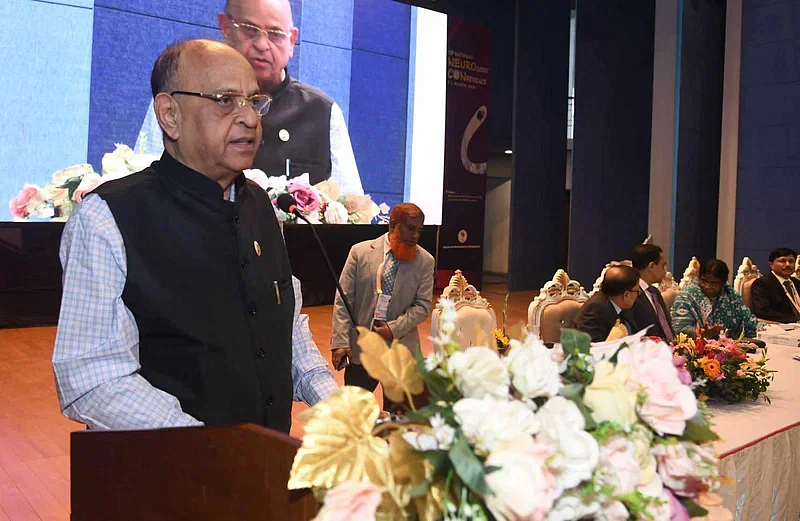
pixel 523 486
pixel 608 397
pixel 336 213
pixel 478 372
pixel 570 507
pixel 138 162
pixel 534 373
pixel 421 441
pixel 115 165
pixel 577 451
pixel 488 421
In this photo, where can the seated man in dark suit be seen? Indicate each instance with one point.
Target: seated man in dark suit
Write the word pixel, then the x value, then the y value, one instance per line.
pixel 776 296
pixel 650 309
pixel 599 314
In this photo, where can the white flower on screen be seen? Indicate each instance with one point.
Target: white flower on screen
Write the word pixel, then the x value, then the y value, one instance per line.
pixel 443 431
pixel 336 213
pixel 384 208
pixel 478 372
pixel 65 174
pixel 534 373
pixel 488 421
pixel 115 164
pixel 138 162
pixel 577 452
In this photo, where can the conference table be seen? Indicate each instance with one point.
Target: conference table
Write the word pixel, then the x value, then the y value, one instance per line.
pixel 760 445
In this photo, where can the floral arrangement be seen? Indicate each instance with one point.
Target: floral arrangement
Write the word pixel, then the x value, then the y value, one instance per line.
pixel 537 434
pixel 501 333
pixel 722 368
pixel 322 203
pixel 67 187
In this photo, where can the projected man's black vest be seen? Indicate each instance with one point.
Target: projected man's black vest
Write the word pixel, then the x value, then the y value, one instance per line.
pixel 297 128
pixel 209 285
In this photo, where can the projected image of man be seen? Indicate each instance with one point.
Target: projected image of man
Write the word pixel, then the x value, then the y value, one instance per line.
pixel 304 125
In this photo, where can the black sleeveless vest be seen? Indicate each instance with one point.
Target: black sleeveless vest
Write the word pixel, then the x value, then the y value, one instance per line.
pixel 209 284
pixel 297 127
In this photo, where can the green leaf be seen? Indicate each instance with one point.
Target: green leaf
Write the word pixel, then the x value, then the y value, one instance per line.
pixel 438 385
pixel 694 509
pixel 573 341
pixel 468 467
pixel 420 489
pixel 698 433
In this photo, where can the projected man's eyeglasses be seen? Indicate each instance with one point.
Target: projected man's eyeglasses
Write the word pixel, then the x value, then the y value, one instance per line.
pixel 252 32
pixel 231 102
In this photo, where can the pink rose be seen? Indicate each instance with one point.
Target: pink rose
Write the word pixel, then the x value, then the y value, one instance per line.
pixel 683 374
pixel 668 402
pixel 619 455
pixel 351 501
pixel 683 466
pixel 524 487
pixel 306 197
pixel 678 512
pixel 28 197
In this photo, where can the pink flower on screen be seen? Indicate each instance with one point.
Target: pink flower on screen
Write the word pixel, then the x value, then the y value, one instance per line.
pixel 306 197
pixel 19 205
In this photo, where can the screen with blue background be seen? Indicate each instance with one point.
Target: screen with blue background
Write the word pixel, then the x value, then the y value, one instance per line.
pixel 77 76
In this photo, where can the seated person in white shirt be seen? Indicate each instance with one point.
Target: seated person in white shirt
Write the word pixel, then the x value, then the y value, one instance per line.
pixel 776 296
pixel 650 308
pixel 303 125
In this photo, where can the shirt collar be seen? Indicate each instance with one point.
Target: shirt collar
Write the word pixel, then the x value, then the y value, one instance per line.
pixel 387 246
pixel 193 181
pixel 644 285
pixel 616 307
pixel 780 279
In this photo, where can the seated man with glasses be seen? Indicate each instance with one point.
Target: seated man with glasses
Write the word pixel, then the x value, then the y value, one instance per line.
pixel 179 305
pixel 303 125
pixel 712 306
pixel 618 293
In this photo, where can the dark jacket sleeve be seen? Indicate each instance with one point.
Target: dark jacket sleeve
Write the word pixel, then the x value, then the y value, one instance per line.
pixel 763 302
pixel 593 318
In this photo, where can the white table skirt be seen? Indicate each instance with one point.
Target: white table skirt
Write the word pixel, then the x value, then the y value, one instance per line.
pixel 760 446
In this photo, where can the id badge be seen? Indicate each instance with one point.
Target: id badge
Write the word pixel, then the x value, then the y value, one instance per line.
pixel 382 308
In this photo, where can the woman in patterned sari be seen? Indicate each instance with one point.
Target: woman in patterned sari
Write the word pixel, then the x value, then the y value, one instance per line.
pixel 712 305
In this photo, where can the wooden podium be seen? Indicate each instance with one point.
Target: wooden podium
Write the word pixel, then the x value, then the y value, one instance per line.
pixel 198 473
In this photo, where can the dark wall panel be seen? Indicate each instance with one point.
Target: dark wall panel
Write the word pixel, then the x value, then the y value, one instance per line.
pixel 767 207
pixel 699 130
pixel 613 119
pixel 540 142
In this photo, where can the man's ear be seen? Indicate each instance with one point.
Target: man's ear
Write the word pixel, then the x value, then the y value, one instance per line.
pixel 294 32
pixel 168 115
pixel 224 26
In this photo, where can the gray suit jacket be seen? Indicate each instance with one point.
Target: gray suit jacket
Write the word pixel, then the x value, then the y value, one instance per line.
pixel 411 298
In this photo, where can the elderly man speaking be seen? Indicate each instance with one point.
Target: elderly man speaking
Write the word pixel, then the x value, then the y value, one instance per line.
pixel 179 305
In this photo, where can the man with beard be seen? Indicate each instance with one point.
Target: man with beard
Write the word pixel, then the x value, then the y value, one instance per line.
pixel 303 125
pixel 389 285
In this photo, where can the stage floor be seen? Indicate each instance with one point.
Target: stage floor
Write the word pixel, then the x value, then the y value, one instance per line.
pixel 34 436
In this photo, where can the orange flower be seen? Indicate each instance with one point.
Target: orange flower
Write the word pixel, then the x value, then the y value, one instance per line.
pixel 712 368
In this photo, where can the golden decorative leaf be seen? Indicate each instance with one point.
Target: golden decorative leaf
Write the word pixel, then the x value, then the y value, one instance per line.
pixel 394 367
pixel 411 468
pixel 338 444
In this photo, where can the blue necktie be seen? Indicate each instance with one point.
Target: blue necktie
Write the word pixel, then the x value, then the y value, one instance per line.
pixel 389 273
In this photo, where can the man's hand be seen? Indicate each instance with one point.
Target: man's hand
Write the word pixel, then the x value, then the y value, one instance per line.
pixel 337 354
pixel 712 332
pixel 382 328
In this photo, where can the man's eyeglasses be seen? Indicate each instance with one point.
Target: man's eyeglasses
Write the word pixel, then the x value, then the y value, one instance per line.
pixel 251 32
pixel 231 103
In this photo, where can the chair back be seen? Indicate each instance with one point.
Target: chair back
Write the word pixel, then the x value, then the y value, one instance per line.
pixel 555 306
pixel 475 317
pixel 691 274
pixel 599 281
pixel 669 289
pixel 745 276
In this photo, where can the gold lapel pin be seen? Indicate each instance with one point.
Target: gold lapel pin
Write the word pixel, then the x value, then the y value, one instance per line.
pixel 257 248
